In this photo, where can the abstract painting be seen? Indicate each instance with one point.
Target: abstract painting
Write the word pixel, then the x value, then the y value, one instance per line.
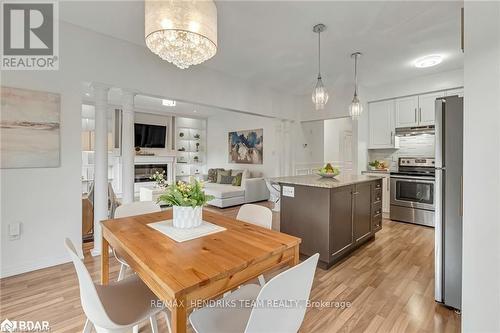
pixel 29 129
pixel 246 147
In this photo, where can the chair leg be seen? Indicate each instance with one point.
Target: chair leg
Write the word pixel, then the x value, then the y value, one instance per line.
pixel 123 271
pixel 135 329
pixel 154 324
pixel 88 326
pixel 262 281
pixel 167 319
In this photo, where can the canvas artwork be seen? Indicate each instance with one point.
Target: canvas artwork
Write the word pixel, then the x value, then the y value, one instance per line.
pixel 246 147
pixel 29 129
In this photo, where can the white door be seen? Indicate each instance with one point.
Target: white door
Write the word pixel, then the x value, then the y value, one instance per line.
pixel 406 111
pixel 427 107
pixel 346 151
pixel 381 120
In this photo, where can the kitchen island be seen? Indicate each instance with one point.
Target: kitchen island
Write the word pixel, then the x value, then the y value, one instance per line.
pixel 332 216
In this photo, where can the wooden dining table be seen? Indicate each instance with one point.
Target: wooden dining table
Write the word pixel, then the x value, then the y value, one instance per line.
pixel 184 274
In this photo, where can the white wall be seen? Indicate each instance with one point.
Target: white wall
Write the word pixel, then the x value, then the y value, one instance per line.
pixel 481 231
pixel 48 201
pixel 218 128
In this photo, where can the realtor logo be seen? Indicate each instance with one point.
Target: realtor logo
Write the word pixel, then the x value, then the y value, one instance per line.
pixel 30 35
pixel 8 326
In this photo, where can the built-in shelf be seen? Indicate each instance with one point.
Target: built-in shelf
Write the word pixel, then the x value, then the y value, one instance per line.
pixel 190 135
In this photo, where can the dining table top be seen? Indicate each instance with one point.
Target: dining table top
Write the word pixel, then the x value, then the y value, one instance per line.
pixel 180 267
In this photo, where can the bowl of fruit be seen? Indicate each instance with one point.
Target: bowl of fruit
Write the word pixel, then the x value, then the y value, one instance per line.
pixel 328 171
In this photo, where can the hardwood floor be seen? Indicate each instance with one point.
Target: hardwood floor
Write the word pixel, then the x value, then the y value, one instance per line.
pixel 385 286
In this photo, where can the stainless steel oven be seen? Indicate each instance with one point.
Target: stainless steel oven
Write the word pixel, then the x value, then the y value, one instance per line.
pixel 413 191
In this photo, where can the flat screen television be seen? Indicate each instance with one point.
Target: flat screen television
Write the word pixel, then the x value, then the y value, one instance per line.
pixel 150 136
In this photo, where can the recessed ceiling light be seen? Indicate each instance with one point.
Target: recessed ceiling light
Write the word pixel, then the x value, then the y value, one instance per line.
pixel 168 102
pixel 428 61
pixel 195 111
pixel 87 94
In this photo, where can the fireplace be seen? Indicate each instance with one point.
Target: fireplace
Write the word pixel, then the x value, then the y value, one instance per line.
pixel 143 172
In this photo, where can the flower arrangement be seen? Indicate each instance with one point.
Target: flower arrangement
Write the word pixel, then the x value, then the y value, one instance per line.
pixel 159 178
pixel 187 200
pixel 186 194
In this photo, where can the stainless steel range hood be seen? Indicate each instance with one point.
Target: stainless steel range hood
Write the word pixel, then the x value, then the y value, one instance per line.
pixel 411 131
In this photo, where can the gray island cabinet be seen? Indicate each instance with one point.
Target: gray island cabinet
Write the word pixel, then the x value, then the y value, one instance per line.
pixel 332 216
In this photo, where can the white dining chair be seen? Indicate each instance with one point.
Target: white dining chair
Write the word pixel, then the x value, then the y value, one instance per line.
pixel 257 215
pixel 292 286
pixel 132 209
pixel 117 307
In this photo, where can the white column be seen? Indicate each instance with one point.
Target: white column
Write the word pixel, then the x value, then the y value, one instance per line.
pixel 128 152
pixel 101 163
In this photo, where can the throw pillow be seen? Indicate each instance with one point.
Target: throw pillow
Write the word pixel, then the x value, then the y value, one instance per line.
pixel 212 175
pixel 221 173
pixel 226 179
pixel 237 179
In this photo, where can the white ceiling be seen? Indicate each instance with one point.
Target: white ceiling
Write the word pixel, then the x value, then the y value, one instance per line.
pixel 271 43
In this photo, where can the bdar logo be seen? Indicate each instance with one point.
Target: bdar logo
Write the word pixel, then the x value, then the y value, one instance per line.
pixel 8 326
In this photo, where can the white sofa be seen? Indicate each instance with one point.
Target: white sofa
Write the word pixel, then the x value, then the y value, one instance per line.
pixel 253 188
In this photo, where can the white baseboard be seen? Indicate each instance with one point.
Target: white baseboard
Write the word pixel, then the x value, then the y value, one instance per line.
pixel 32 265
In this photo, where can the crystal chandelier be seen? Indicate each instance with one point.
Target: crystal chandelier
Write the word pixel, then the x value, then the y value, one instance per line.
pixel 355 108
pixel 319 95
pixel 181 32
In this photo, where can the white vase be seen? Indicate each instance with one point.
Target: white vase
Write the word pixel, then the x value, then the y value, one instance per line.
pixel 187 217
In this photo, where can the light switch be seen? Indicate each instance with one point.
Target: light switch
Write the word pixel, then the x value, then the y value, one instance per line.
pixel 14 230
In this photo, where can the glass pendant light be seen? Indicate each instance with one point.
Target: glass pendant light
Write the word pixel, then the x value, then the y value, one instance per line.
pixel 355 108
pixel 319 95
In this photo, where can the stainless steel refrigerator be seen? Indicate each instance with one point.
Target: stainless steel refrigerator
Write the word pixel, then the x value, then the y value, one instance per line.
pixel 449 204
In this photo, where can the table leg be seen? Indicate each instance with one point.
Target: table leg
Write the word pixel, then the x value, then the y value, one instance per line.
pixel 296 256
pixel 104 261
pixel 179 317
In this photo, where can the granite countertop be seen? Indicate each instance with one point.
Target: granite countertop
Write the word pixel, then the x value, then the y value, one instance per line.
pixel 318 181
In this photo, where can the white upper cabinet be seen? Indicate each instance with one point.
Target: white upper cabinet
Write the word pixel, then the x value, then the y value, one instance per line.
pixel 381 120
pixel 427 107
pixel 406 111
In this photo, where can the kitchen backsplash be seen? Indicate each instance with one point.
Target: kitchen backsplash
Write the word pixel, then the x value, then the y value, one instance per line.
pixel 409 146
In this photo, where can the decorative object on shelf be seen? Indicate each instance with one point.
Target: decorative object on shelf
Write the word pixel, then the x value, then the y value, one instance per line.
pixel 196 159
pixel 197 146
pixel 187 200
pixel 137 150
pixel 159 178
pixel 319 95
pixel 181 134
pixel 328 171
pixel 378 165
pixel 30 129
pixel 196 136
pixel 355 108
pixel 182 149
pixel 246 147
pixel 181 32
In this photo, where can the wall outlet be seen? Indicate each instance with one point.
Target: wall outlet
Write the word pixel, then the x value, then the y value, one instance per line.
pixel 14 231
pixel 289 191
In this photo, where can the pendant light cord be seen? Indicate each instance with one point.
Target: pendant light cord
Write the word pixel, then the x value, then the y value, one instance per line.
pixel 319 54
pixel 356 75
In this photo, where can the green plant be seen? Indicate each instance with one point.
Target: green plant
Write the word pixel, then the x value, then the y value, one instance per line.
pixel 186 194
